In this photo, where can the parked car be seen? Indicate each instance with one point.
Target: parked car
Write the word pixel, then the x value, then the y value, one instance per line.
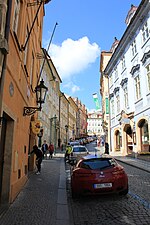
pixel 78 151
pixel 98 175
pixel 72 143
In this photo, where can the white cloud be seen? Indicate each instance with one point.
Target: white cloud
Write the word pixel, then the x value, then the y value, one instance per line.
pixel 70 85
pixel 73 56
pixel 75 88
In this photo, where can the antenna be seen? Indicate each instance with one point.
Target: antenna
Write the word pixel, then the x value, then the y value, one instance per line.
pixel 47 51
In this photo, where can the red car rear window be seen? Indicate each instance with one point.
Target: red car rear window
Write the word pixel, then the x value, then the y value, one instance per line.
pixel 97 164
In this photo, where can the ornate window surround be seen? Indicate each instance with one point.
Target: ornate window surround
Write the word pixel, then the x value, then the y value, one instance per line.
pixel 124 82
pixel 111 95
pixel 135 70
pixel 146 58
pixel 116 90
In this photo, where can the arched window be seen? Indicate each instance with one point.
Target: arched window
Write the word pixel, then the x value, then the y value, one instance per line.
pixel 144 131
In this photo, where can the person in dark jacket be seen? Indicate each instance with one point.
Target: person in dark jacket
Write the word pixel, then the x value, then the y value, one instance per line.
pixel 45 149
pixel 106 148
pixel 39 157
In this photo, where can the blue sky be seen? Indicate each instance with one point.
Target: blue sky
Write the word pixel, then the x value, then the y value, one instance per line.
pixel 85 28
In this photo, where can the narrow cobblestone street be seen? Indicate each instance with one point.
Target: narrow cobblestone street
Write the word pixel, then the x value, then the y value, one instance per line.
pixel 112 209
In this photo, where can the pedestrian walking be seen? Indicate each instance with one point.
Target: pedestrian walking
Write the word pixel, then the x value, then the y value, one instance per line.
pixel 98 142
pixel 45 149
pixel 51 150
pixel 39 157
pixel 68 151
pixel 106 148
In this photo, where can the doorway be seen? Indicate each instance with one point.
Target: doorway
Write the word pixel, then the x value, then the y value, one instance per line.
pixel 6 143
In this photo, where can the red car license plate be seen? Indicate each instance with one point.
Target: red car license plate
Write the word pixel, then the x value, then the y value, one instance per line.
pixel 105 185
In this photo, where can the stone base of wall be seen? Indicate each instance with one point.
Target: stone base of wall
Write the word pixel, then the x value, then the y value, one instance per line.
pixel 17 187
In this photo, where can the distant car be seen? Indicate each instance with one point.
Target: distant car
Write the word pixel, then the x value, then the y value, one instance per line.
pixel 78 152
pixel 98 175
pixel 72 143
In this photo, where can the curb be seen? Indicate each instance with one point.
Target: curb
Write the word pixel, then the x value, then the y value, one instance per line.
pixel 130 164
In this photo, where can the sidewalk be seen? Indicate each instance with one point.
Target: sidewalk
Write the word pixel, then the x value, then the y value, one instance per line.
pixel 138 163
pixel 43 200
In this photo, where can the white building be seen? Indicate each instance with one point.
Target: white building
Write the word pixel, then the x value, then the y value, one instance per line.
pixel 94 123
pixel 129 84
pixel 49 116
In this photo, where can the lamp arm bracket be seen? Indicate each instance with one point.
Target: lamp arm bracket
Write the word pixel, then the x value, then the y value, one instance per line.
pixel 28 111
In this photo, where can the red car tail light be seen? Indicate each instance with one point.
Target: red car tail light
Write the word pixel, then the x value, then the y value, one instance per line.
pixel 118 172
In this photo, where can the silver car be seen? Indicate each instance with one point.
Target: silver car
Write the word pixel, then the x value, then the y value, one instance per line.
pixel 78 152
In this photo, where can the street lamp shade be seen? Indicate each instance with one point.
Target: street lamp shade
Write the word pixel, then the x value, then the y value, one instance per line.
pixel 41 91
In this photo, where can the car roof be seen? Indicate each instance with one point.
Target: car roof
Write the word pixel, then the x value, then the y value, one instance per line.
pixel 79 146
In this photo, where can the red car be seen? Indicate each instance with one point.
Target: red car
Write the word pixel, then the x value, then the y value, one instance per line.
pixel 98 175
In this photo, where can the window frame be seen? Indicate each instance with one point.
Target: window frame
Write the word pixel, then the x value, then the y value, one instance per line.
pixel 137 87
pixel 145 32
pixel 148 76
pixel 126 100
pixel 17 6
pixel 133 48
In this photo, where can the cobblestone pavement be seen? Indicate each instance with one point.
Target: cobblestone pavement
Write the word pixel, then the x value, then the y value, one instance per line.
pixel 110 209
pixel 132 209
pixel 43 200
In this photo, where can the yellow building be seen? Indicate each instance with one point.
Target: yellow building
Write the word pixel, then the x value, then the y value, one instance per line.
pixel 104 59
pixel 19 73
pixel 73 108
pixel 63 118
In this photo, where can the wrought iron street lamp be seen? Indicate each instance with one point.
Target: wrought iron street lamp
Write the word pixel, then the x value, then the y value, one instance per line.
pixel 41 91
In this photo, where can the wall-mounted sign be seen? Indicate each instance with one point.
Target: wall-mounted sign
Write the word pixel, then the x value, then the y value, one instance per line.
pixel 107 105
pixel 36 126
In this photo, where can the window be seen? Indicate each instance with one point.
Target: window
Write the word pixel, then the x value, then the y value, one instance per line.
pixel 32 70
pixel 145 32
pixel 145 132
pixel 125 97
pixel 123 63
pixel 118 103
pixel 16 15
pixel 137 87
pixel 148 76
pixel 97 164
pixel 112 107
pixel 26 50
pixel 116 73
pixel 111 80
pixel 133 48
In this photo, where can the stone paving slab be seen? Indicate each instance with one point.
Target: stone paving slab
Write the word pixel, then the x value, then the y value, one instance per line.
pixel 43 200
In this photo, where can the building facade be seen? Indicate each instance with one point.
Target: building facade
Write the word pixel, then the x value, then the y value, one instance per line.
pixel 94 124
pixel 20 41
pixel 64 119
pixel 104 91
pixel 73 108
pixel 49 116
pixel 128 71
